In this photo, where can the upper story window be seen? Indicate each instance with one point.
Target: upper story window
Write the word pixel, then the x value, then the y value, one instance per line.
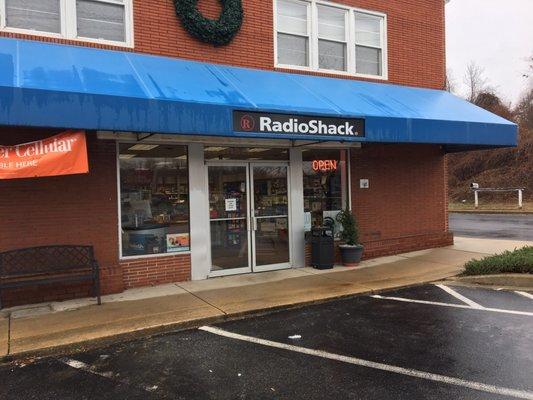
pixel 322 36
pixel 368 44
pixel 39 15
pixel 332 38
pixel 293 32
pixel 102 21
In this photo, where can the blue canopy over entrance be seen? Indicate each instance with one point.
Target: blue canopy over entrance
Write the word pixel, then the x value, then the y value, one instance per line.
pixel 60 86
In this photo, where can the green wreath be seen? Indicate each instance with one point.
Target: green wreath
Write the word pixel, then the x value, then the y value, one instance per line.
pixel 218 32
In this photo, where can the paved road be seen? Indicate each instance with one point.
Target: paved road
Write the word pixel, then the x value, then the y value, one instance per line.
pixel 495 226
pixel 417 343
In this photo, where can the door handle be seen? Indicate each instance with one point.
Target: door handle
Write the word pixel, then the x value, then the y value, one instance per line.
pixel 254 223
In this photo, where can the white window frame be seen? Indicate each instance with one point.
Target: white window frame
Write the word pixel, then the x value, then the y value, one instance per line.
pixel 121 256
pixel 68 20
pixel 350 49
pixel 346 40
pixel 382 30
pixel 309 36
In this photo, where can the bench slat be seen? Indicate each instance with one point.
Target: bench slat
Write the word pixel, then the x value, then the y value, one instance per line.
pixel 49 265
pixel 73 278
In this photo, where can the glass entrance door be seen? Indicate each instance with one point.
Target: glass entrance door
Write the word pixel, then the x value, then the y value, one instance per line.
pixel 248 213
pixel 229 219
pixel 270 217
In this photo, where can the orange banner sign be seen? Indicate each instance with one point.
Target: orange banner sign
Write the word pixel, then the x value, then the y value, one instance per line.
pixel 62 154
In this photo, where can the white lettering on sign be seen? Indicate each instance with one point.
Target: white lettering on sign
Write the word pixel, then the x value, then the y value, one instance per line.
pixel 24 164
pixel 312 127
pixel 4 152
pixel 298 125
pixel 37 148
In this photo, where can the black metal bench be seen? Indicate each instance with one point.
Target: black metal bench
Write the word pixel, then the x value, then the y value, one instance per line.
pixel 47 265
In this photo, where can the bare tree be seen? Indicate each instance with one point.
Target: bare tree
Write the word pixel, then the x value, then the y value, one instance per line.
pixel 449 84
pixel 529 73
pixel 475 80
pixel 524 111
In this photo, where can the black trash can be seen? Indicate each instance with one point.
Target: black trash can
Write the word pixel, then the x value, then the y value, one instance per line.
pixel 322 248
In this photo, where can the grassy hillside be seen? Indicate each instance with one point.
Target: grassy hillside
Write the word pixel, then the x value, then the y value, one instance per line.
pixel 492 168
pixel 512 167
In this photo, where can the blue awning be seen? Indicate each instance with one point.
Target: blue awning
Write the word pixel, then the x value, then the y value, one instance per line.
pixel 60 86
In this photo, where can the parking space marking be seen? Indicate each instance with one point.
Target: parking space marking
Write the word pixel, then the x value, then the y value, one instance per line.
pixel 459 296
pixel 525 294
pixel 435 303
pixel 81 366
pixel 519 394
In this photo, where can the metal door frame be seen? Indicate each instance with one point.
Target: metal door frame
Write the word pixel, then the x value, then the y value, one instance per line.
pixel 231 271
pixel 250 217
pixel 253 218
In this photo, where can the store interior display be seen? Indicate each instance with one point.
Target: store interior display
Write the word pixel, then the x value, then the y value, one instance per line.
pixel 234 191
pixel 154 199
pixel 228 214
pixel 270 194
pixel 230 217
pixel 271 209
pixel 325 184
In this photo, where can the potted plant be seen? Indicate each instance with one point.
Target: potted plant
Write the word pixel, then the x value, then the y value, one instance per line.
pixel 351 250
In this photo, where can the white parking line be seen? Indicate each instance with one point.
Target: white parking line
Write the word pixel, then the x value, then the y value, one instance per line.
pixel 519 394
pixel 459 296
pixel 435 303
pixel 525 294
pixel 81 366
pixel 84 367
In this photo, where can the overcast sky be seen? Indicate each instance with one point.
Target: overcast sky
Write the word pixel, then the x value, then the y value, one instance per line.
pixel 497 35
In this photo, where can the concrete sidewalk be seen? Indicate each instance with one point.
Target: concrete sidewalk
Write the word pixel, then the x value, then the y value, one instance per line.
pixel 50 327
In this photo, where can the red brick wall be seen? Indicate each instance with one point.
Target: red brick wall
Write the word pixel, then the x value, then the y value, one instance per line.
pixel 415 36
pixel 404 207
pixel 152 271
pixel 73 209
pixel 82 209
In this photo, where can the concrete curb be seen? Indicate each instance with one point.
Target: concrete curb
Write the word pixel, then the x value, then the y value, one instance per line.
pixel 147 332
pixel 502 280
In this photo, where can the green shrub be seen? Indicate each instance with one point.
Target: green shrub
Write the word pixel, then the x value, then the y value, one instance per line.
pixel 518 261
pixel 350 230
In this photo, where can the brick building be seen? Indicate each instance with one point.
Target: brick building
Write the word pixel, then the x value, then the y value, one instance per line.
pixel 212 160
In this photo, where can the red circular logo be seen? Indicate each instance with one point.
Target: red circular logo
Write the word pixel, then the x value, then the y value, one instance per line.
pixel 247 123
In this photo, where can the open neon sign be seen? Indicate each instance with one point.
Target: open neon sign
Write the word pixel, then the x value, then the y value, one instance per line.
pixel 324 165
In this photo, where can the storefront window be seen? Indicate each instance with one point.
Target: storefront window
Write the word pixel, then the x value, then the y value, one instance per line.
pixel 325 186
pixel 154 199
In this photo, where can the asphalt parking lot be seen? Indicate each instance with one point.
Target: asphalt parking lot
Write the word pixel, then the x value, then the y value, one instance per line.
pixel 426 342
pixel 498 226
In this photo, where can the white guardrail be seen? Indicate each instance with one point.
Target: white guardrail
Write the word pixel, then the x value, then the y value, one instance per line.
pixel 476 189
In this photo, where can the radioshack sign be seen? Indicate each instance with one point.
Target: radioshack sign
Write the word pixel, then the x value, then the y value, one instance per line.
pixel 297 124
